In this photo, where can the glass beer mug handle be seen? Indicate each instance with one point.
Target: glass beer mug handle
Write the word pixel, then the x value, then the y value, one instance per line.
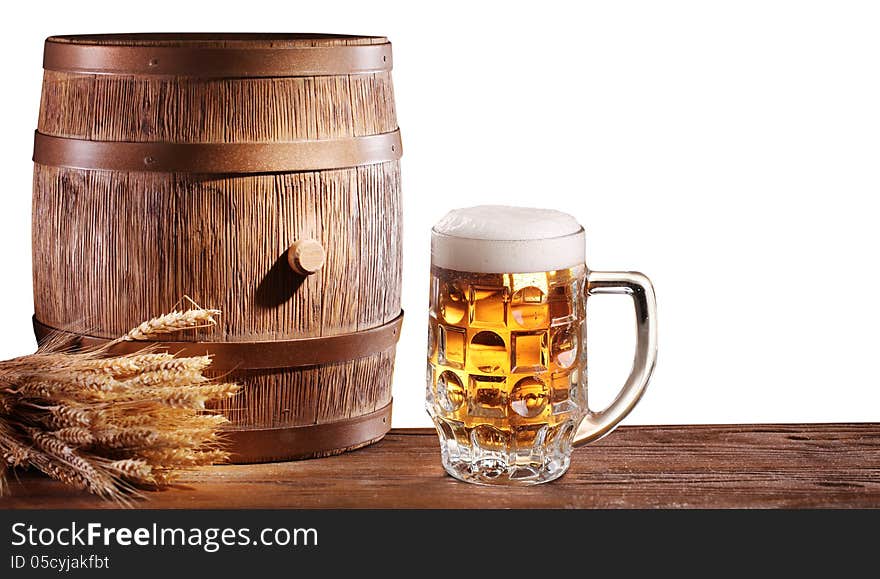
pixel 595 425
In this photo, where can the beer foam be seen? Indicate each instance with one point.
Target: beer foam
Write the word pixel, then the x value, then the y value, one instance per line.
pixel 503 239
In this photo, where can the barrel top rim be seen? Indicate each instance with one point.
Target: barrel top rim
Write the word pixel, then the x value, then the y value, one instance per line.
pixel 240 40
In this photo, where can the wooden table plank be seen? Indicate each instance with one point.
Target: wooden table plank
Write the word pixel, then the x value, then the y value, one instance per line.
pixel 742 466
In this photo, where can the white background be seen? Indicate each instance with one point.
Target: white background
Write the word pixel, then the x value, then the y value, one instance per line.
pixel 730 150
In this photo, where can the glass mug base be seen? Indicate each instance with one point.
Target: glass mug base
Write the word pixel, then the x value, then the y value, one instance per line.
pixel 489 456
pixel 495 472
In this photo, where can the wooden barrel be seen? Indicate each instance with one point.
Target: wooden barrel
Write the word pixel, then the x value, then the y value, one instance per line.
pixel 228 168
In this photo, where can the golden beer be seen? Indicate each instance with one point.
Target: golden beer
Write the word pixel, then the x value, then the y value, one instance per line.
pixel 504 374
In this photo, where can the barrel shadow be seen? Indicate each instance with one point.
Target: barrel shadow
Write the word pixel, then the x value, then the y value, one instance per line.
pixel 278 285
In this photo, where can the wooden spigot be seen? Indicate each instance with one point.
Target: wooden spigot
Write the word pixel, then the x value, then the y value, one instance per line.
pixel 306 256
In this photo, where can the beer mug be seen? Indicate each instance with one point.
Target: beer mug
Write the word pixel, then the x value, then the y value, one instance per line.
pixel 507 359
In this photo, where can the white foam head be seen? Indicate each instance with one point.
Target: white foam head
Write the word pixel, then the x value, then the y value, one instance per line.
pixel 502 239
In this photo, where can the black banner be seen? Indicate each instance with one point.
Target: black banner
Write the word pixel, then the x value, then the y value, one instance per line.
pixel 232 543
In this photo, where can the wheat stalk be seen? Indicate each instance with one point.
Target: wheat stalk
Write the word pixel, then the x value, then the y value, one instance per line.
pixel 169 323
pixel 112 425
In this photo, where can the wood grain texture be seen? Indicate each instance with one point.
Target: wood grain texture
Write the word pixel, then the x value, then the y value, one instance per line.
pixel 111 249
pixel 741 466
pixel 133 108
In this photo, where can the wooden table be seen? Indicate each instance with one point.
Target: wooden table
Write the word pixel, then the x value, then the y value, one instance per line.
pixel 793 466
